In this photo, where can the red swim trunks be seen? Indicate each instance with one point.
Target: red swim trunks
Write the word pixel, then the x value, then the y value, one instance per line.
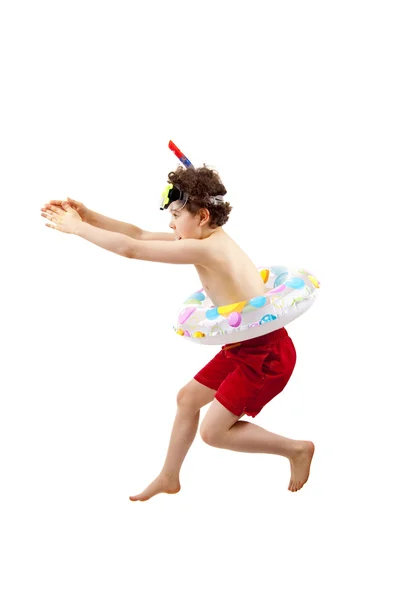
pixel 248 374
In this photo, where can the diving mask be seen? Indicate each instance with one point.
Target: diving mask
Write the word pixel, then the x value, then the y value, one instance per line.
pixel 170 194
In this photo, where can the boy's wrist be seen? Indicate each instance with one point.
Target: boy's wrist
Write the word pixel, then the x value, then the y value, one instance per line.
pixel 81 226
pixel 88 217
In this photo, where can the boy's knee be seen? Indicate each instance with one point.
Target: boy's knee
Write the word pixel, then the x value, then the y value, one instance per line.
pixel 193 396
pixel 209 435
pixel 181 397
pixel 184 399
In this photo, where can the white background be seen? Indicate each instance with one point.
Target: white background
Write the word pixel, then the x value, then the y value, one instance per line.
pixel 295 104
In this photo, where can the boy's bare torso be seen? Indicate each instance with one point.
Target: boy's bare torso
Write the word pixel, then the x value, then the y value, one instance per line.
pixel 233 277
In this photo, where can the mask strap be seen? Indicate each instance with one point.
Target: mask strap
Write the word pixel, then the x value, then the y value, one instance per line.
pixel 217 199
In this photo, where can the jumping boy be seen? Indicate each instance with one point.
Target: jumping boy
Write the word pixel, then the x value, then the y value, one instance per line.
pixel 243 377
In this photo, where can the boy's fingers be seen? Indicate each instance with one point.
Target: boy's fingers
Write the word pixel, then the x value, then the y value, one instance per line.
pixel 52 203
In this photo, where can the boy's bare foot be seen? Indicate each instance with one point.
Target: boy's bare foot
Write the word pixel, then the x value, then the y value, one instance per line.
pixel 300 466
pixel 162 484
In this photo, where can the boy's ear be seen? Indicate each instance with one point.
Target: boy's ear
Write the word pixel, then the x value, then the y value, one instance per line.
pixel 204 213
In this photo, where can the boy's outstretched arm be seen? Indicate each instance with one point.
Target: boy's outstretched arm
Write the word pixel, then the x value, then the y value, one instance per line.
pixel 103 222
pixel 109 240
pixel 180 252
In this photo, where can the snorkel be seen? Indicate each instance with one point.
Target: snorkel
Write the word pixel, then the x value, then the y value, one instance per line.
pixel 187 163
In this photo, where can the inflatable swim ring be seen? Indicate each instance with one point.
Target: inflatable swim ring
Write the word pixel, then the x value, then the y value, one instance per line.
pixel 288 293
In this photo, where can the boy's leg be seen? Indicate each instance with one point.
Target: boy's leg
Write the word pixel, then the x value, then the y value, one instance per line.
pixel 222 429
pixel 190 399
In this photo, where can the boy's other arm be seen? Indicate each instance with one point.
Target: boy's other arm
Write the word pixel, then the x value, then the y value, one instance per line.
pixel 102 222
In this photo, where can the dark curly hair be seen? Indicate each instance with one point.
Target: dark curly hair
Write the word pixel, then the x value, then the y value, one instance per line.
pixel 200 184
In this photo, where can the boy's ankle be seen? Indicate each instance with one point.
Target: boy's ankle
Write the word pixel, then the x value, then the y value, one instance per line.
pixel 169 475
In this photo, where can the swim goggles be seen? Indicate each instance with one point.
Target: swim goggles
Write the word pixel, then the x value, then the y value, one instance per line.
pixel 172 193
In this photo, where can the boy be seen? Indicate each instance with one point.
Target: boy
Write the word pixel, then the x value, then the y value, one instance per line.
pixel 243 377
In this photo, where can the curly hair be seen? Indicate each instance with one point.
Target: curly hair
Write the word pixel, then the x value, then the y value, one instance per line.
pixel 200 184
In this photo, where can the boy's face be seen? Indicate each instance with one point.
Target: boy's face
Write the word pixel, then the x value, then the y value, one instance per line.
pixel 182 222
pixel 187 226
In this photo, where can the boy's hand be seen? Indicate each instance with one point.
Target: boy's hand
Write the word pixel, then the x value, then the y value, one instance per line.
pixel 79 207
pixel 64 219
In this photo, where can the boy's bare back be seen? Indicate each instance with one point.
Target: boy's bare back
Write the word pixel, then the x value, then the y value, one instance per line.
pixel 232 276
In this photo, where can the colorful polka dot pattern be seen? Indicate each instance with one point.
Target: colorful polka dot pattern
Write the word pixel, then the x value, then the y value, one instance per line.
pixel 284 289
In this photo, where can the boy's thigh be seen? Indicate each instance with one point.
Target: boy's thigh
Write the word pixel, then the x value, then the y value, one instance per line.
pixel 202 388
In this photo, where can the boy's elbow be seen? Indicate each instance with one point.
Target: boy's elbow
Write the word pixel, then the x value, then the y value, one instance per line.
pixel 130 249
